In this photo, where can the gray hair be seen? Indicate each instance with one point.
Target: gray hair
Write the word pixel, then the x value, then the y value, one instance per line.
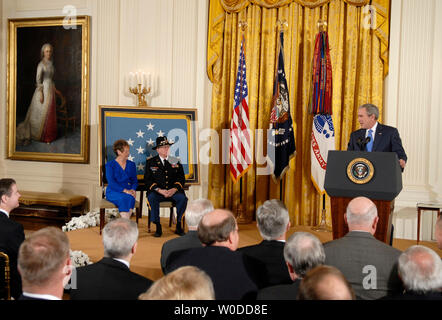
pixel 361 218
pixel 371 109
pixel 196 209
pixel 43 47
pixel 272 218
pixel 420 269
pixel 303 251
pixel 119 237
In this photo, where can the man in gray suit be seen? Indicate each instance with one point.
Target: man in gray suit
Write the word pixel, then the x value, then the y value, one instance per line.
pixel 195 210
pixel 367 263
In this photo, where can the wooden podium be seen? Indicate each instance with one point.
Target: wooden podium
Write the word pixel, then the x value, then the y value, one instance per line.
pixel 375 175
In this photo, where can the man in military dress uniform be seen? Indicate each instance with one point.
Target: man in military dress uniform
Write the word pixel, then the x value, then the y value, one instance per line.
pixel 164 180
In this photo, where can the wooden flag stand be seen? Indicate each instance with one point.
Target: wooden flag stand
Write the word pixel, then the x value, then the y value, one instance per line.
pixel 241 216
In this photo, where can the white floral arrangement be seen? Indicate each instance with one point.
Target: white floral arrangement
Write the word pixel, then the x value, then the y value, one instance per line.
pixel 79 258
pixel 91 219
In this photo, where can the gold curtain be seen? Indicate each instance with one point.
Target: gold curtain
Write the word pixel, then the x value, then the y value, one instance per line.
pixel 359 55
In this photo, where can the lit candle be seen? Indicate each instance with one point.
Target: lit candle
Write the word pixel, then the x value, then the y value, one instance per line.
pixel 149 81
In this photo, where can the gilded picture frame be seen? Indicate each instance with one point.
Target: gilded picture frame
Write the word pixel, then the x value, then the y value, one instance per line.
pixel 140 126
pixel 48 89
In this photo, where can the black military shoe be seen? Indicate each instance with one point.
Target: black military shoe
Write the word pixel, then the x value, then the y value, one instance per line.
pixel 178 230
pixel 159 231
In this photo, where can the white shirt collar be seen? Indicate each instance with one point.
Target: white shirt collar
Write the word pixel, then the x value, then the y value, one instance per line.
pixel 40 296
pixel 162 159
pixel 123 261
pixel 7 214
pixel 373 129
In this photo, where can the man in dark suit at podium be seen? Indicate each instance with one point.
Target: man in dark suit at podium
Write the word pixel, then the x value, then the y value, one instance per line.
pixel 374 136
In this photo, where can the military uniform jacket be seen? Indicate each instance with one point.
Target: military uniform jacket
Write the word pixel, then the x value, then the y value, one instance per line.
pixel 162 176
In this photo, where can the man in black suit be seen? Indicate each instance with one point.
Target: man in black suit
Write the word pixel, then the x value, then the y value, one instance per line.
pixel 44 264
pixel 195 210
pixel 374 136
pixel 228 269
pixel 11 234
pixel 302 252
pixel 110 278
pixel 272 219
pixel 164 180
pixel 420 270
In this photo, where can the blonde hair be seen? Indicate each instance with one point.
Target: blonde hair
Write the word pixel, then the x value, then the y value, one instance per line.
pixel 185 283
pixel 41 255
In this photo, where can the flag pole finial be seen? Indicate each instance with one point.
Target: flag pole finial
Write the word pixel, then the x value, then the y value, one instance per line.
pixel 243 25
pixel 282 25
pixel 322 25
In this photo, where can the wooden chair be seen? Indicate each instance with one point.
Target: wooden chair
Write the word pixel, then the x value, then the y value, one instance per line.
pixel 7 273
pixel 104 204
pixel 165 204
pixel 426 206
pixel 63 114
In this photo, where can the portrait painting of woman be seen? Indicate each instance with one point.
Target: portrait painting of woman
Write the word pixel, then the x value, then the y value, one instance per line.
pixel 41 119
pixel 48 89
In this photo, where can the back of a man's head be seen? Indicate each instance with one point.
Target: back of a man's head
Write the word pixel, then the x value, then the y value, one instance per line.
pixel 272 219
pixel 185 283
pixel 42 255
pixel 439 232
pixel 119 237
pixel 216 228
pixel 303 251
pixel 325 283
pixel 195 210
pixel 362 215
pixel 420 269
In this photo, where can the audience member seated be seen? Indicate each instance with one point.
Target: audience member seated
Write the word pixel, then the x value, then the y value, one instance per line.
pixel 195 210
pixel 110 278
pixel 185 283
pixel 218 232
pixel 11 236
pixel 273 223
pixel 302 252
pixel 420 270
pixel 121 176
pixel 439 232
pixel 325 283
pixel 367 263
pixel 44 264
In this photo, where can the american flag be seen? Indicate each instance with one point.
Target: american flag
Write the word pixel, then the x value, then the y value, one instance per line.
pixel 240 149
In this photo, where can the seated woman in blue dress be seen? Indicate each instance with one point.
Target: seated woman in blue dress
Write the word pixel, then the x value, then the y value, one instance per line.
pixel 121 175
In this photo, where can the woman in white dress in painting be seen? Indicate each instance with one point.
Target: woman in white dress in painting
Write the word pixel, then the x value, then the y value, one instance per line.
pixel 41 119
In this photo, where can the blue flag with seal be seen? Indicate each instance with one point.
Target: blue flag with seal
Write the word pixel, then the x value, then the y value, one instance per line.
pixel 281 140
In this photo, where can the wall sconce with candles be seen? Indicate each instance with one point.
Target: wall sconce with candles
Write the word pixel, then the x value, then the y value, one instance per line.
pixel 140 84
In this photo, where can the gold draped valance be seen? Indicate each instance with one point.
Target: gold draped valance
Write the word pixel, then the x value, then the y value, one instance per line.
pixel 218 9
